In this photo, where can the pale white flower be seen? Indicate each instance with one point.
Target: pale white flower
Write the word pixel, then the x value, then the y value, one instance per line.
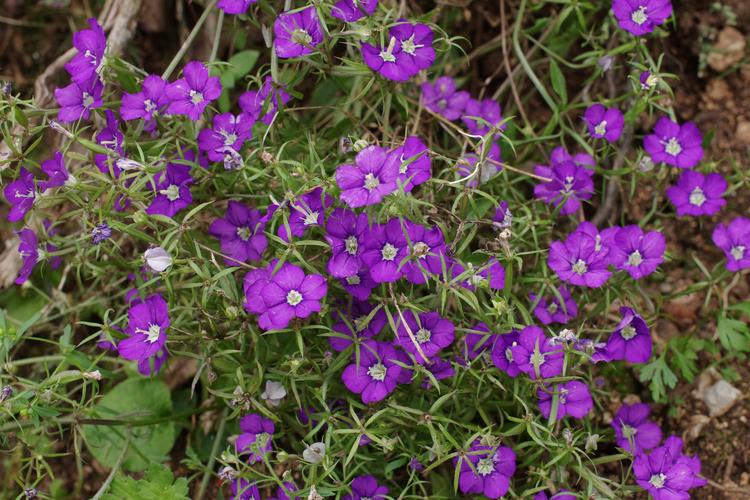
pixel 274 393
pixel 315 453
pixel 158 259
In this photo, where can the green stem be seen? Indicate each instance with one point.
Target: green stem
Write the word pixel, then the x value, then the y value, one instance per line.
pixel 115 468
pixel 188 41
pixel 214 451
pixel 217 37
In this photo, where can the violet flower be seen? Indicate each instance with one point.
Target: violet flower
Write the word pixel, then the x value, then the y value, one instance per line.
pixel 604 123
pixel 100 233
pixel 440 369
pixel 112 139
pixel 580 260
pixel 271 96
pixel 77 100
pixel 666 473
pixel 253 283
pixel 307 211
pixel 488 166
pixel 374 376
pixel 482 116
pixel 256 438
pixel 28 249
pixel 697 194
pixel 478 342
pixel 536 355
pixel 503 217
pixel 640 17
pixel 502 353
pixel 734 240
pixel 353 10
pixel 560 495
pixel 637 252
pixel 415 41
pixel 192 93
pixel 151 101
pixel 412 161
pixel 385 248
pixel 148 321
pixel 172 191
pixel 21 195
pixel 345 232
pixel 152 365
pixel 428 252
pixel 289 294
pixel 234 7
pixel 355 325
pixel 553 310
pixel 240 234
pixel 442 98
pixel 633 431
pixel 56 171
pixel 86 64
pixel 674 144
pixel 366 488
pixel 631 340
pixel 359 285
pixel 369 180
pixel 242 489
pixel 568 184
pixel 573 399
pixel 297 33
pixel 490 470
pixel 228 132
pixel 425 335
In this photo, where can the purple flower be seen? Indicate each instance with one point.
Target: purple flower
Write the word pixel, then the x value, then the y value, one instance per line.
pixel 288 294
pixel 146 104
pixel 193 92
pixel 242 489
pixel 490 470
pixel 536 355
pixel 148 321
pixel 369 180
pixel 560 495
pixel 492 274
pixel 440 370
pixel 284 492
pixel 389 61
pixel 172 191
pixel 581 260
pixel 568 184
pixel 111 138
pixel 270 95
pixel 385 248
pixel 412 162
pixel 256 438
pixel 442 98
pixel 366 488
pixel 307 211
pixel 482 116
pixel 488 167
pixel 427 251
pixel 502 353
pixel 503 217
pixel 604 123
pixel 637 252
pixel 415 465
pixel 640 17
pixel 633 431
pixel 359 285
pixel 573 398
pixel 345 232
pixel 666 473
pixel 648 80
pixel 21 194
pixel 229 132
pixel 734 240
pixel 425 335
pixel 415 42
pixel 77 100
pixel 152 365
pixel 674 144
pixel 295 34
pixel 698 194
pixel 100 233
pixel 240 234
pixel 356 324
pixel 353 10
pixel 86 64
pixel 235 7
pixel 28 249
pixel 631 340
pixel 560 155
pixel 476 344
pixel 55 170
pixel 253 284
pixel 555 311
pixel 376 374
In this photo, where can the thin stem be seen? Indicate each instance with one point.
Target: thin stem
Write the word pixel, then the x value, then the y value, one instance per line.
pixel 214 451
pixel 115 468
pixel 188 41
pixel 217 37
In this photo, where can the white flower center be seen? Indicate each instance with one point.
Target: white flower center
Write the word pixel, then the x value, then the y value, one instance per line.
pixel 196 97
pixel 601 129
pixel 293 297
pixel 229 139
pixel 244 233
pixel 371 182
pixel 377 372
pixel 635 259
pixel 658 480
pixel 639 16
pixel 352 245
pixel 537 359
pixel 87 99
pixel 568 183
pixel 629 432
pixel 301 37
pixel 421 249
pixel 409 46
pixel 149 105
pixel 485 466
pixel 738 252
pixel 697 197
pixel 673 147
pixel 172 192
pixel 552 308
pixel 580 267
pixel 423 335
pixel 353 280
pixel 152 335
pixel 628 332
pixel 387 54
pixel 311 218
pixel 388 252
pixel 509 354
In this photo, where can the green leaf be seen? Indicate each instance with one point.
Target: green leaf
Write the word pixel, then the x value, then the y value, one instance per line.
pixel 660 377
pixel 734 334
pixel 132 400
pixel 242 62
pixel 157 484
pixel 558 80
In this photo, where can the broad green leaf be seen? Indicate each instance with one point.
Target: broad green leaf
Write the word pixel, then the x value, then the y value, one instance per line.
pixel 157 484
